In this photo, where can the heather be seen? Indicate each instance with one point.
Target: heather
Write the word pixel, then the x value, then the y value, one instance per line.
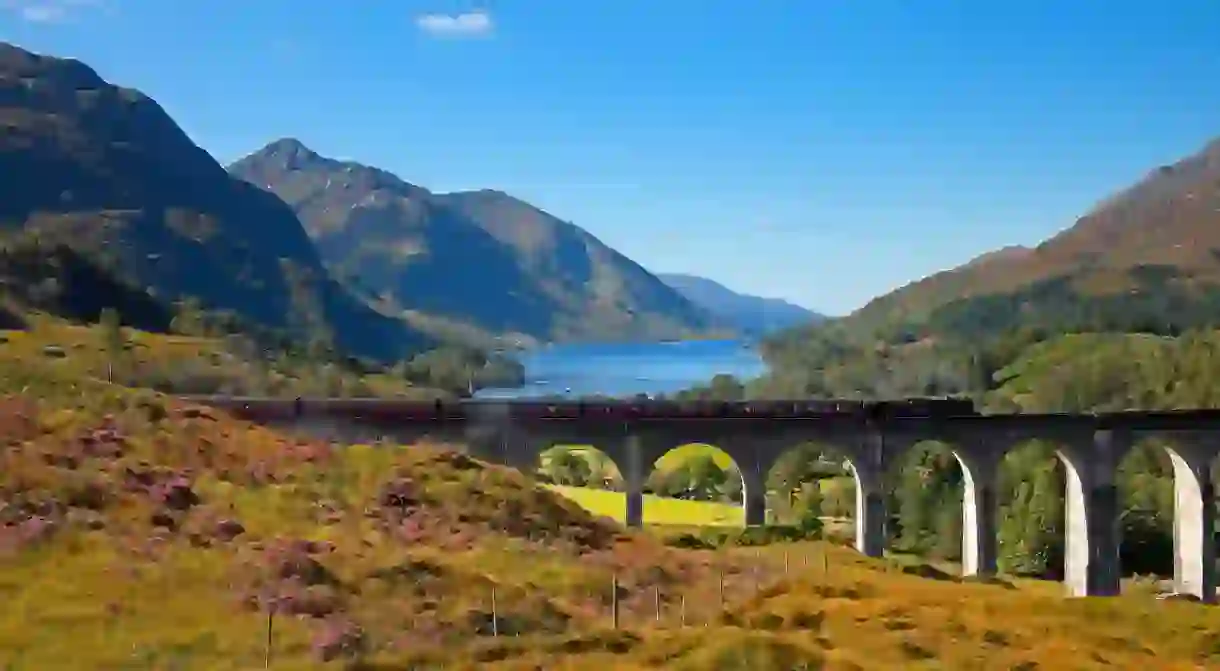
pixel 153 534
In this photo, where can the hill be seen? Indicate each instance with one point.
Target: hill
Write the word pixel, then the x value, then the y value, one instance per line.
pixel 170 536
pixel 105 171
pixel 753 315
pixel 1147 258
pixel 478 259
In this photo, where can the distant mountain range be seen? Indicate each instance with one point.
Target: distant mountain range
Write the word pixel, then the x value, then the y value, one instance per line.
pixel 752 315
pixel 100 179
pixel 483 258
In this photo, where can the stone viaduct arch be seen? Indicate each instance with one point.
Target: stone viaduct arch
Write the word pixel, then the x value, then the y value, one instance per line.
pixel 1090 448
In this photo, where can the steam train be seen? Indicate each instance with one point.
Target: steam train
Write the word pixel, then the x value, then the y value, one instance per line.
pixel 808 409
pixel 626 410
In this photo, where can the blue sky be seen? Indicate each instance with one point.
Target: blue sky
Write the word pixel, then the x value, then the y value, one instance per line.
pixel 824 151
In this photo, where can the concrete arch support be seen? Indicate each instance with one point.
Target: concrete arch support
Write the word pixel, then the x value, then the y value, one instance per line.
pixel 1194 521
pixel 520 450
pixel 1091 561
pixel 980 513
pixel 634 475
pixel 871 514
pixel 754 459
pixel 754 497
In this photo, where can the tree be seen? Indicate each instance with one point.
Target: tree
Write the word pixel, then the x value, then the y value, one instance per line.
pixel 808 509
pixel 566 467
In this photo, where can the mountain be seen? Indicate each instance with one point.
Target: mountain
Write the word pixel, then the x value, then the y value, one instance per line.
pixel 479 259
pixel 753 315
pixel 1146 258
pixel 104 170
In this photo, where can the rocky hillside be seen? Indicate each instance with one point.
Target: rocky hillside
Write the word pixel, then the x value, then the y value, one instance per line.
pixel 753 315
pixel 1153 248
pixel 104 170
pixel 479 258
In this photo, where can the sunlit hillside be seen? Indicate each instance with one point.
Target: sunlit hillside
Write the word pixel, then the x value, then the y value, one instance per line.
pixel 152 535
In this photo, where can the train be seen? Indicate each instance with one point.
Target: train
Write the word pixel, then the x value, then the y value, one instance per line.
pixel 786 409
pixel 623 410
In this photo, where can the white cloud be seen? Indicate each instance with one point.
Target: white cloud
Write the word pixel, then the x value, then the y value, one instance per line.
pixel 47 11
pixel 467 24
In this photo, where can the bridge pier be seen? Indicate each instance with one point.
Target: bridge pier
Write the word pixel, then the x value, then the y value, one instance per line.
pixel 868 466
pixel 1194 522
pixel 871 513
pixel 754 460
pixel 1091 562
pixel 634 476
pixel 980 514
pixel 754 503
pixel 520 449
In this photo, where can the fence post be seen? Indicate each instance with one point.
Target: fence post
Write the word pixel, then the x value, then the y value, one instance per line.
pixel 720 577
pixel 682 613
pixel 614 601
pixel 495 616
pixel 270 634
pixel 785 562
pixel 656 601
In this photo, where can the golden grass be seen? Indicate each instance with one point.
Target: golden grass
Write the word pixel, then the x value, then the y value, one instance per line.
pixel 413 543
pixel 149 357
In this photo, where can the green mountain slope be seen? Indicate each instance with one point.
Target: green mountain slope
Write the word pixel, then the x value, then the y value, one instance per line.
pixel 1145 258
pixel 483 258
pixel 104 170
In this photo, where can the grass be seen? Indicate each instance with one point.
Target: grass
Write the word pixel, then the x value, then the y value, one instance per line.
pixel 187 365
pixel 138 533
pixel 657 509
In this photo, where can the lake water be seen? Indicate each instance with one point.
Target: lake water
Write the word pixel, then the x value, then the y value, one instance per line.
pixel 630 368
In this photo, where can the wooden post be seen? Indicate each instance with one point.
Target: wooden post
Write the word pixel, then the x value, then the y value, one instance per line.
pixel 656 602
pixel 495 617
pixel 270 634
pixel 614 601
pixel 682 613
pixel 785 562
pixel 720 577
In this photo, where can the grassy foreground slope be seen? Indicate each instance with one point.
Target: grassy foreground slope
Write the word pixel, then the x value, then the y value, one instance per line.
pixel 139 533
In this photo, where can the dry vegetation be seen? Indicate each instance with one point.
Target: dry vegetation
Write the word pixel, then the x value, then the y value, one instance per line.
pixel 188 365
pixel 139 533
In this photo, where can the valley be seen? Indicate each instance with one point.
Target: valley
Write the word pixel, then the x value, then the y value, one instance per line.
pixel 142 530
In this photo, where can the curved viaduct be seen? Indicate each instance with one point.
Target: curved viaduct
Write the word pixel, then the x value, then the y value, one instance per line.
pixel 634 434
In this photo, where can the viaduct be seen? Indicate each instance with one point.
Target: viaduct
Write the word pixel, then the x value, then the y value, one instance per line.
pixel 869 437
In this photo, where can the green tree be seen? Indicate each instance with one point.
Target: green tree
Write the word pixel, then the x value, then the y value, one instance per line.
pixel 566 467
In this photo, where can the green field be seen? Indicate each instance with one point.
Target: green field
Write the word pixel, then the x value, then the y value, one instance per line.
pixel 657 510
